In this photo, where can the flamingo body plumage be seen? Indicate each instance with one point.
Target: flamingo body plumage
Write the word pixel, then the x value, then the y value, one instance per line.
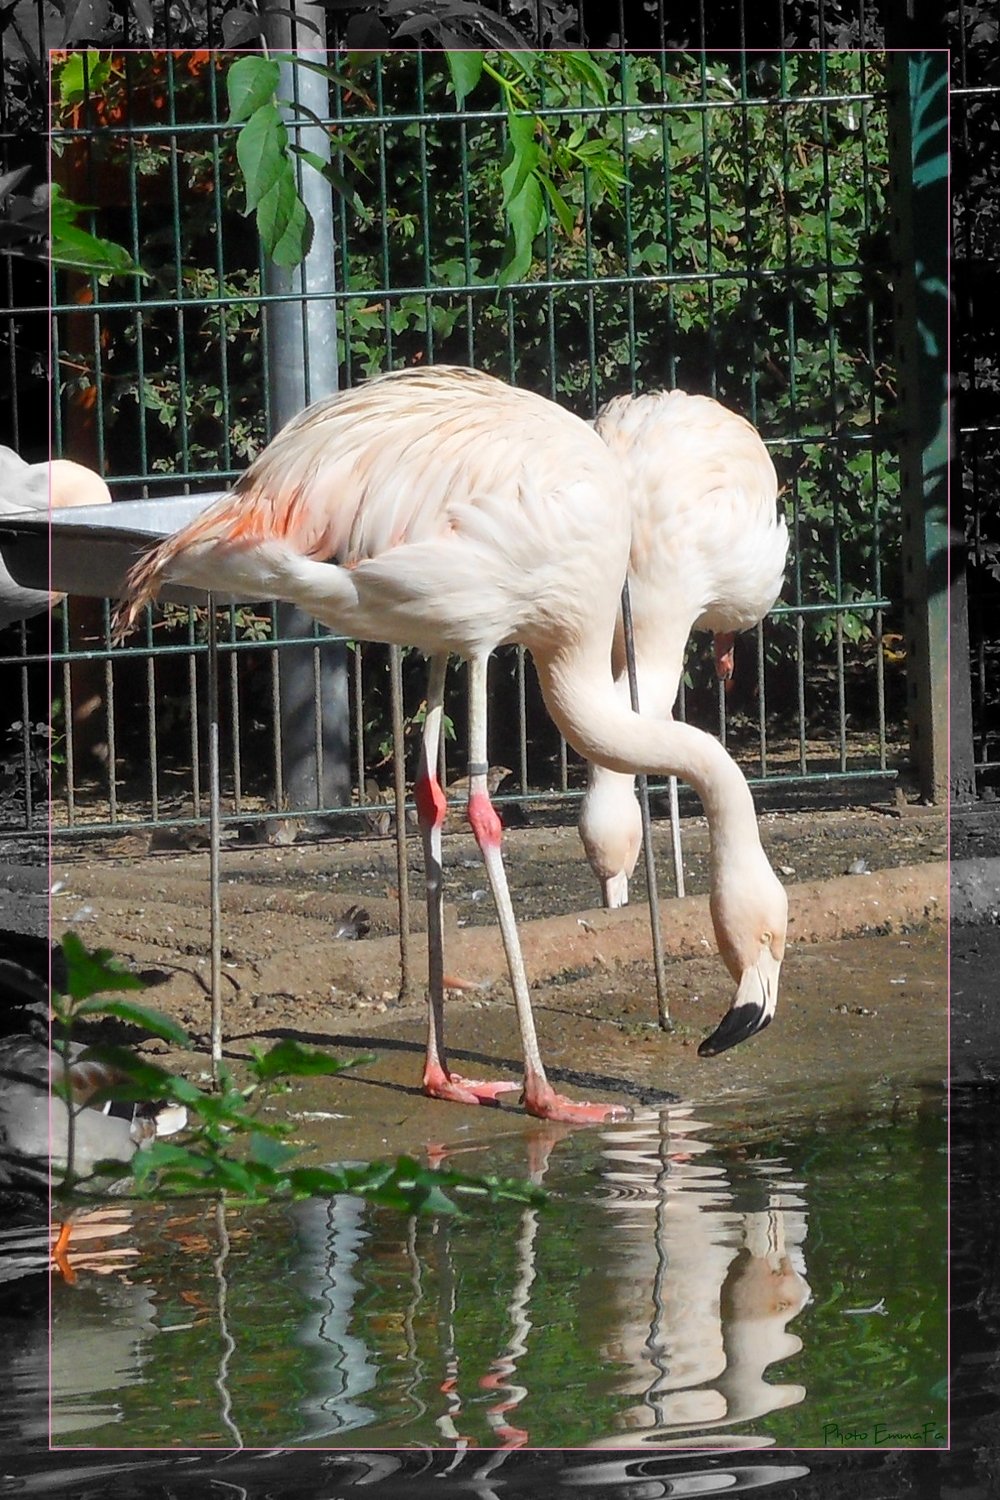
pixel 708 552
pixel 441 508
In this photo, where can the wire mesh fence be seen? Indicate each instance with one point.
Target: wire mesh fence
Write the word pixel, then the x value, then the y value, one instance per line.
pixel 743 255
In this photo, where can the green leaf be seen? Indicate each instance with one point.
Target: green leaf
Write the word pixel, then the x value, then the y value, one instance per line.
pixel 153 1021
pixel 292 1060
pixel 267 1152
pixel 284 223
pixel 565 215
pixel 334 177
pixel 77 249
pixel 261 153
pixel 89 973
pixel 524 63
pixel 323 164
pixel 81 76
pixel 232 1176
pixel 166 1154
pixel 345 81
pixel 522 151
pixel 466 70
pixel 250 83
pixel 525 215
pixel 590 74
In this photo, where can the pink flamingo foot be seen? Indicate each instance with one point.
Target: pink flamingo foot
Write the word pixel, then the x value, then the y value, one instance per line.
pixel 458 1090
pixel 546 1104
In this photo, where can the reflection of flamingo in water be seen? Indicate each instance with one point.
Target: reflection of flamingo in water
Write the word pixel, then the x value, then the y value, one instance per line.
pixel 720 1288
pixel 501 1376
pixel 443 509
pixel 708 553
pixel 699 1299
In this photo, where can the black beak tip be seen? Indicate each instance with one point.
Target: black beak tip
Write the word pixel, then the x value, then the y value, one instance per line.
pixel 736 1026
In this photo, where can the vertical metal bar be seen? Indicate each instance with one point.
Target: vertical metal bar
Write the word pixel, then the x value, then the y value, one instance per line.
pixel 359 720
pixel 277 758
pixel 154 780
pixel 318 737
pixel 761 697
pixel 675 836
pixel 214 839
pixel 302 366
pixel 426 212
pixel 918 193
pixel 642 785
pixel 522 722
pixel 192 663
pixel 470 317
pixel 142 443
pixel 833 456
pixel 314 716
pixel 878 620
pixel 962 766
pixel 399 790
pixel 109 704
pixel 26 757
pixel 793 402
pixel 68 727
pixel 234 715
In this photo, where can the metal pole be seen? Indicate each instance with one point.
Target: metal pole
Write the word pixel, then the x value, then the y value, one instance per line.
pixel 302 366
pixel 214 840
pixel 963 755
pixel 919 212
pixel 399 790
pixel 652 896
pixel 675 836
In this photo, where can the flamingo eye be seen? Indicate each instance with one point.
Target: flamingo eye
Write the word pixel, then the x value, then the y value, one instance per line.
pixel 765 937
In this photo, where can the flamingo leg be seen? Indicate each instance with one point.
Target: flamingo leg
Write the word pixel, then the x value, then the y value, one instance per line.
pixel 60 1251
pixel 540 1098
pixel 439 1081
pixel 725 658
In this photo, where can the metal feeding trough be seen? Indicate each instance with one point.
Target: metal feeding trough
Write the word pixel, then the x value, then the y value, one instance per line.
pixel 88 549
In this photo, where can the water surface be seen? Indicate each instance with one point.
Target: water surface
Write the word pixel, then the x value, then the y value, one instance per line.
pixel 706 1282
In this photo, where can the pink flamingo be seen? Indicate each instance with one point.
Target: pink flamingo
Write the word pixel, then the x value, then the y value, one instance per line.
pixel 708 553
pixel 441 508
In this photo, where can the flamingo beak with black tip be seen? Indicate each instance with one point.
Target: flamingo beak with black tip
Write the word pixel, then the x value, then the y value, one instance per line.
pixel 752 1008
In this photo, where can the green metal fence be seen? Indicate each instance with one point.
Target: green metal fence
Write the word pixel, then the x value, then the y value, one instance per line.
pixel 745 255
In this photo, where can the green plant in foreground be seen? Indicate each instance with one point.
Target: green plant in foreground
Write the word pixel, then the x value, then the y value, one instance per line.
pixel 207 1162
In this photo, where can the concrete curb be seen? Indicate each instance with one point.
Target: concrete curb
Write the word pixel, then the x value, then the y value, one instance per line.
pixel 819 911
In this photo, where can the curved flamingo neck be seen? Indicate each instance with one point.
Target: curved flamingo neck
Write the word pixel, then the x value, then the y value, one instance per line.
pixel 580 695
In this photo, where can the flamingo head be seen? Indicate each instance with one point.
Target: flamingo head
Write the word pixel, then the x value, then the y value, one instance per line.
pixel 74 484
pixel 611 830
pixel 750 917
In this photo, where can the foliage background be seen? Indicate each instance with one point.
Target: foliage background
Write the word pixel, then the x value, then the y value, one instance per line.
pixel 720 227
pixel 971 29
